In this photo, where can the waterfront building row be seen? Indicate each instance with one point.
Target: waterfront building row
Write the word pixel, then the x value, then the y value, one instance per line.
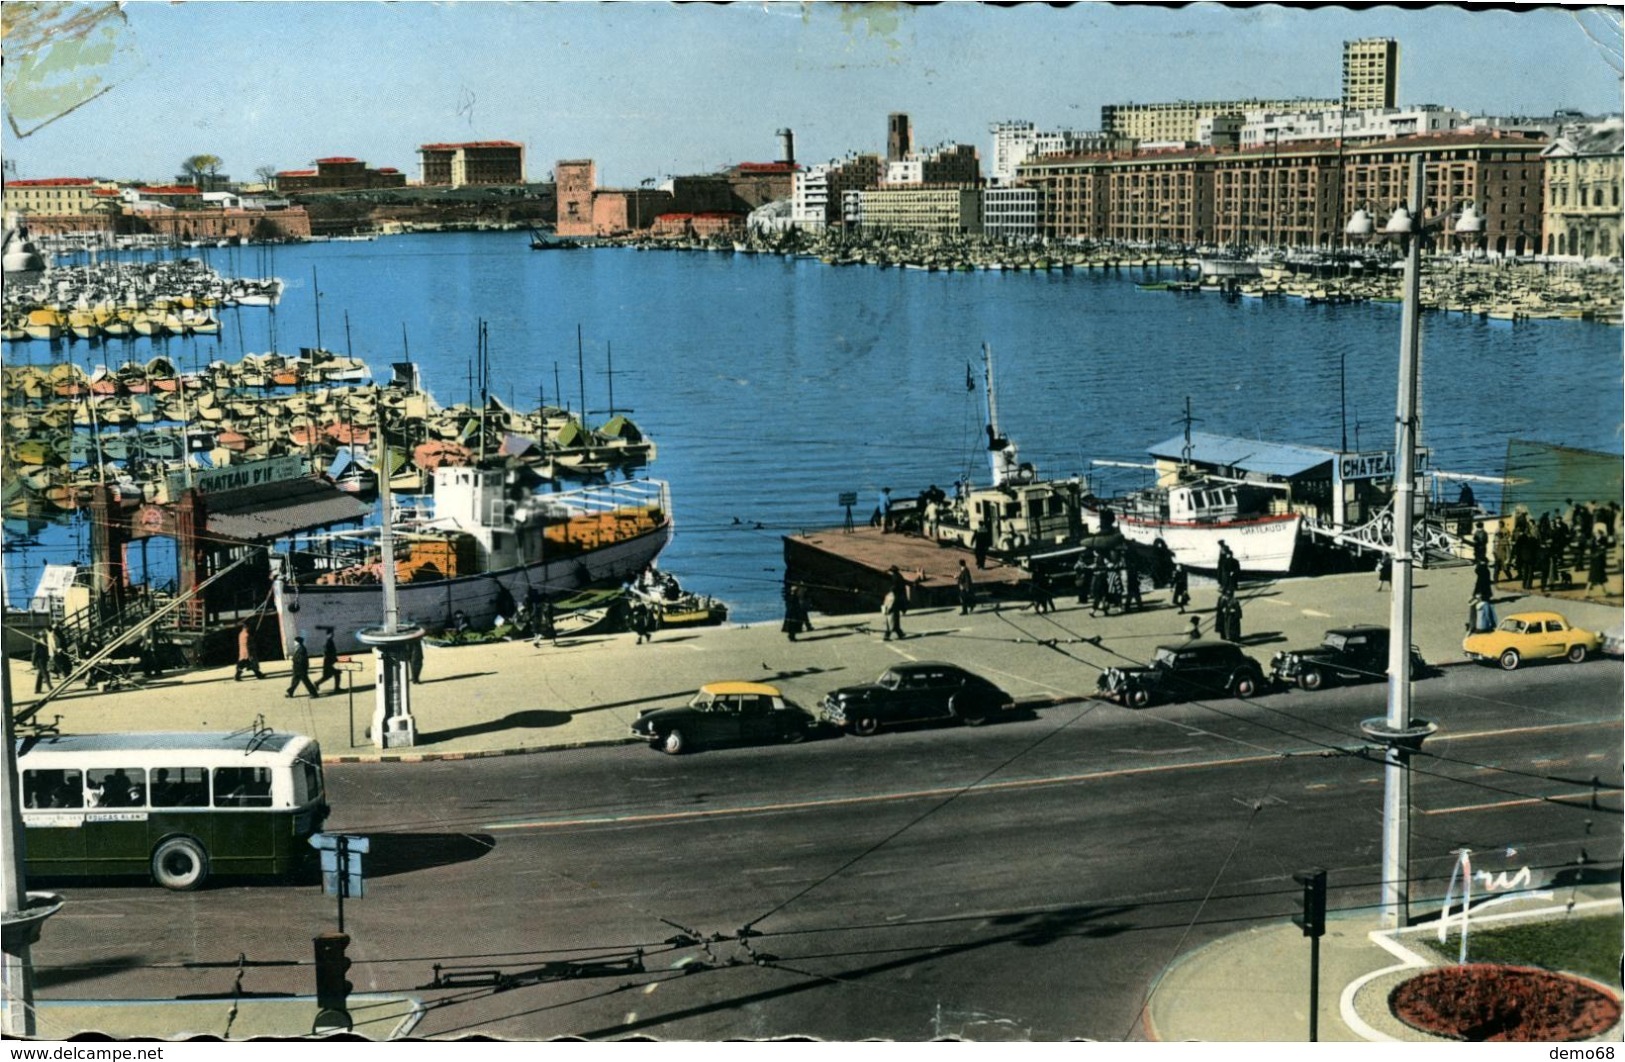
pixel 1584 169
pixel 338 173
pixel 1299 196
pixel 474 162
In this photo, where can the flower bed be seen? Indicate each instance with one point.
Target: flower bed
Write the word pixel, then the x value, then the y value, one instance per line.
pixel 1492 1002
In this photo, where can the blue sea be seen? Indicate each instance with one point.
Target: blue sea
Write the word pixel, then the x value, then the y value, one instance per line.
pixel 773 385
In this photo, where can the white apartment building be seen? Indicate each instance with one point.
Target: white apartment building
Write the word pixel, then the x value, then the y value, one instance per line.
pixel 809 197
pixel 1010 213
pixel 1014 142
pixel 1263 128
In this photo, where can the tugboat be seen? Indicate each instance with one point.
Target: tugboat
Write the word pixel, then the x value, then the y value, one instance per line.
pixel 1019 516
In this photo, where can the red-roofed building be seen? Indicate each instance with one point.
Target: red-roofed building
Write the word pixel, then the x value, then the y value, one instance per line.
pixel 338 173
pixel 473 162
pixel 56 195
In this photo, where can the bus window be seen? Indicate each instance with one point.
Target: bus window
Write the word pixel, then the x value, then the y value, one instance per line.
pixel 180 787
pixel 52 789
pixel 242 787
pixel 117 787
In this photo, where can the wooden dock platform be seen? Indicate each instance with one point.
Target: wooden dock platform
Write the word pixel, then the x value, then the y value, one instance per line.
pixel 847 571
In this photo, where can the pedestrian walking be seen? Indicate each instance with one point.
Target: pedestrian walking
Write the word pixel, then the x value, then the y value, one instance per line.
pixel 1083 577
pixel 1182 588
pixel 967 590
pixel 247 657
pixel 1385 572
pixel 1131 584
pixel 1597 574
pixel 1481 545
pixel 643 623
pixel 981 542
pixel 1480 616
pixel 883 507
pixel 1043 599
pixel 330 664
pixel 1099 590
pixel 56 641
pixel 40 660
pixel 795 613
pixel 1483 588
pixel 894 605
pixel 1503 555
pixel 300 659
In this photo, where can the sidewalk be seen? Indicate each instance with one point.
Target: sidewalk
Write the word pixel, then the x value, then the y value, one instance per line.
pixel 1254 985
pixel 512 697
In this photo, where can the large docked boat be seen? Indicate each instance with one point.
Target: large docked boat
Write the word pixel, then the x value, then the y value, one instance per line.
pixel 483 549
pixel 1196 514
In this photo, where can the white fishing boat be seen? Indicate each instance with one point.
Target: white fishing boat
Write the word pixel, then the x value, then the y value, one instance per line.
pixel 1194 516
pixel 481 551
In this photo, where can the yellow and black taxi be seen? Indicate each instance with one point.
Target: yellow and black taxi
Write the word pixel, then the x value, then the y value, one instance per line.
pixel 1532 636
pixel 725 713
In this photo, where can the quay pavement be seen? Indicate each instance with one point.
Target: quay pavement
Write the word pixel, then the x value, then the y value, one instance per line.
pixel 514 697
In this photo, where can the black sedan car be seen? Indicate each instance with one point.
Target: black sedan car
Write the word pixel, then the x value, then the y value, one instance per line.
pixel 906 693
pixel 1184 672
pixel 1345 654
pixel 725 713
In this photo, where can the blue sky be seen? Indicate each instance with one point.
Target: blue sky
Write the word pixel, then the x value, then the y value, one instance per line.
pixel 651 89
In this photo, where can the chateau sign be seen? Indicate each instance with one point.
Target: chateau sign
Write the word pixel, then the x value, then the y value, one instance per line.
pixel 236 477
pixel 1379 465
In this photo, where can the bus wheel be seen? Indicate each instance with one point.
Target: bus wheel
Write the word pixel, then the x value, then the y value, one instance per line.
pixel 180 863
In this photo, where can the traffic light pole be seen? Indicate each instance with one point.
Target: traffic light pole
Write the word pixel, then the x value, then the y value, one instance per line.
pixel 1314 989
pixel 1312 921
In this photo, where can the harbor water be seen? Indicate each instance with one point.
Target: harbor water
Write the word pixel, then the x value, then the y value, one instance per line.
pixel 772 385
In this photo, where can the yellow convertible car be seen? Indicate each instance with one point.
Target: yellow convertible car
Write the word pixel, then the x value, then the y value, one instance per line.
pixel 1532 636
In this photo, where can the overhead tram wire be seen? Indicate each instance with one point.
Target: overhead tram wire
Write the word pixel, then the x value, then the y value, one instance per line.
pixel 1179 946
pixel 916 820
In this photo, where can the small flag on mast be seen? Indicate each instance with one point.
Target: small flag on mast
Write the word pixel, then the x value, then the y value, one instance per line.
pixel 970 381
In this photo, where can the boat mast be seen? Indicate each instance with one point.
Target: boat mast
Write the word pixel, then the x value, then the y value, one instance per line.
pixel 1001 452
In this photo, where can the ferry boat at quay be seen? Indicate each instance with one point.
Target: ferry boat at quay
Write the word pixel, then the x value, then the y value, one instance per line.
pixel 482 550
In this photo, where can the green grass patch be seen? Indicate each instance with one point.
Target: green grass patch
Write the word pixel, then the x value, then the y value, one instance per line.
pixel 1588 945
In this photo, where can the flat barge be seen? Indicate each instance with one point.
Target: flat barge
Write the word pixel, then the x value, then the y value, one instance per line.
pixel 848 571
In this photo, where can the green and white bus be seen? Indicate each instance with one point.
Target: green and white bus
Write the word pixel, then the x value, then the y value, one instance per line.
pixel 178 806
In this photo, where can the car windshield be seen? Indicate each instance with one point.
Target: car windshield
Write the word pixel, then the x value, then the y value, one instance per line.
pixel 1166 654
pixel 1335 641
pixel 702 701
pixel 889 680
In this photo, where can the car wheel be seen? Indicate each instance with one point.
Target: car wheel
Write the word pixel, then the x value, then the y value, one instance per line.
pixel 1244 685
pixel 1312 679
pixel 1138 697
pixel 1576 654
pixel 973 715
pixel 673 743
pixel 180 863
pixel 1510 660
pixel 866 726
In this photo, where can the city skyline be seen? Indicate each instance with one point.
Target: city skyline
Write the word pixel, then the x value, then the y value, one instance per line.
pixel 651 90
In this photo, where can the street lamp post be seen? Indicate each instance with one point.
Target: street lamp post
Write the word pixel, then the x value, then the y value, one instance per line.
pixel 1399 733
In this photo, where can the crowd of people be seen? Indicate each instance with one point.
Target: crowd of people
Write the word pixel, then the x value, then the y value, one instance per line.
pixel 1544 553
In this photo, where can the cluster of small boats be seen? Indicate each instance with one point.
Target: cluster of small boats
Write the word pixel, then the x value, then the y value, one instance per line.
pixel 120 300
pixel 131 427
